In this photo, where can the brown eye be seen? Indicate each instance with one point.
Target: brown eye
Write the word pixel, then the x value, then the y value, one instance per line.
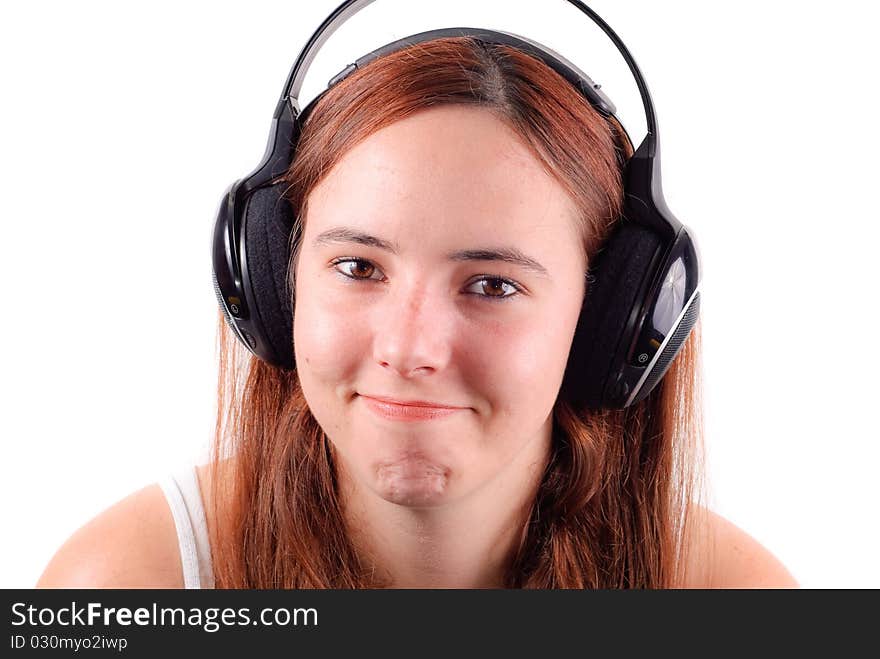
pixel 356 268
pixel 362 269
pixel 494 288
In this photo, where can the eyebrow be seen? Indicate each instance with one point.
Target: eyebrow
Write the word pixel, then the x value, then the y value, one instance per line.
pixel 505 254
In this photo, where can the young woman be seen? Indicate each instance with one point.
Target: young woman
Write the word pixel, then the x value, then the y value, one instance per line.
pixel 450 198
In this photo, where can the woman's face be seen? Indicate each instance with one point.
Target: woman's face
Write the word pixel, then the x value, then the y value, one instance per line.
pixel 440 263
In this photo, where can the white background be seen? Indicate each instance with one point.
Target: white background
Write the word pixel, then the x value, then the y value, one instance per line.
pixel 122 125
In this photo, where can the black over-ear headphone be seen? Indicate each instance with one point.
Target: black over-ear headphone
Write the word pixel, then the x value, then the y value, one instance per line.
pixel 643 298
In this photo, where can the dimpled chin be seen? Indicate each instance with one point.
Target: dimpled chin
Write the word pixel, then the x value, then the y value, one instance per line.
pixel 412 482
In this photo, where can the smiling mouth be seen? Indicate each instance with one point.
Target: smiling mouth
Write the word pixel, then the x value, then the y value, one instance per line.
pixel 409 411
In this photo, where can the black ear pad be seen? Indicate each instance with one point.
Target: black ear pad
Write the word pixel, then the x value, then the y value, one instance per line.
pixel 268 219
pixel 615 279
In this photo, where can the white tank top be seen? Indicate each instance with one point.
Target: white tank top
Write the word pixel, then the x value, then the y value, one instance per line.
pixel 185 500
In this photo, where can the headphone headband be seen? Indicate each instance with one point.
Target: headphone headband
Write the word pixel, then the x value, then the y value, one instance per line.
pixel 644 190
pixel 347 9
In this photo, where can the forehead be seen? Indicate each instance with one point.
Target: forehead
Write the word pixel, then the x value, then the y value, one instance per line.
pixel 445 175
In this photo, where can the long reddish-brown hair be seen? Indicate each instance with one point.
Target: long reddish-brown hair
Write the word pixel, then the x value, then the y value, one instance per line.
pixel 620 492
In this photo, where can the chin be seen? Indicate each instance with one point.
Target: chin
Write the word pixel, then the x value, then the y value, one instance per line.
pixel 413 482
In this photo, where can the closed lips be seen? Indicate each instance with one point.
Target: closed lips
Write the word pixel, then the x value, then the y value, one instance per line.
pixel 418 410
pixel 413 403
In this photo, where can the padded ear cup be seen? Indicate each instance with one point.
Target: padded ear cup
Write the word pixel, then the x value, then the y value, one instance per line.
pixel 616 276
pixel 268 219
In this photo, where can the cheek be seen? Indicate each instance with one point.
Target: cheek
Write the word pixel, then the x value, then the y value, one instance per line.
pixel 328 337
pixel 541 364
pixel 519 364
pixel 515 369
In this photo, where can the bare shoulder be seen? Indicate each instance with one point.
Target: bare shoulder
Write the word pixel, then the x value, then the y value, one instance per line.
pixel 722 555
pixel 132 544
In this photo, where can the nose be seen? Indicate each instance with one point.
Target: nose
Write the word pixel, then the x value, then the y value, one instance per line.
pixel 413 334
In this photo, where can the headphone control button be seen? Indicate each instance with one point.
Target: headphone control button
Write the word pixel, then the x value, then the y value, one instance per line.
pixel 342 75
